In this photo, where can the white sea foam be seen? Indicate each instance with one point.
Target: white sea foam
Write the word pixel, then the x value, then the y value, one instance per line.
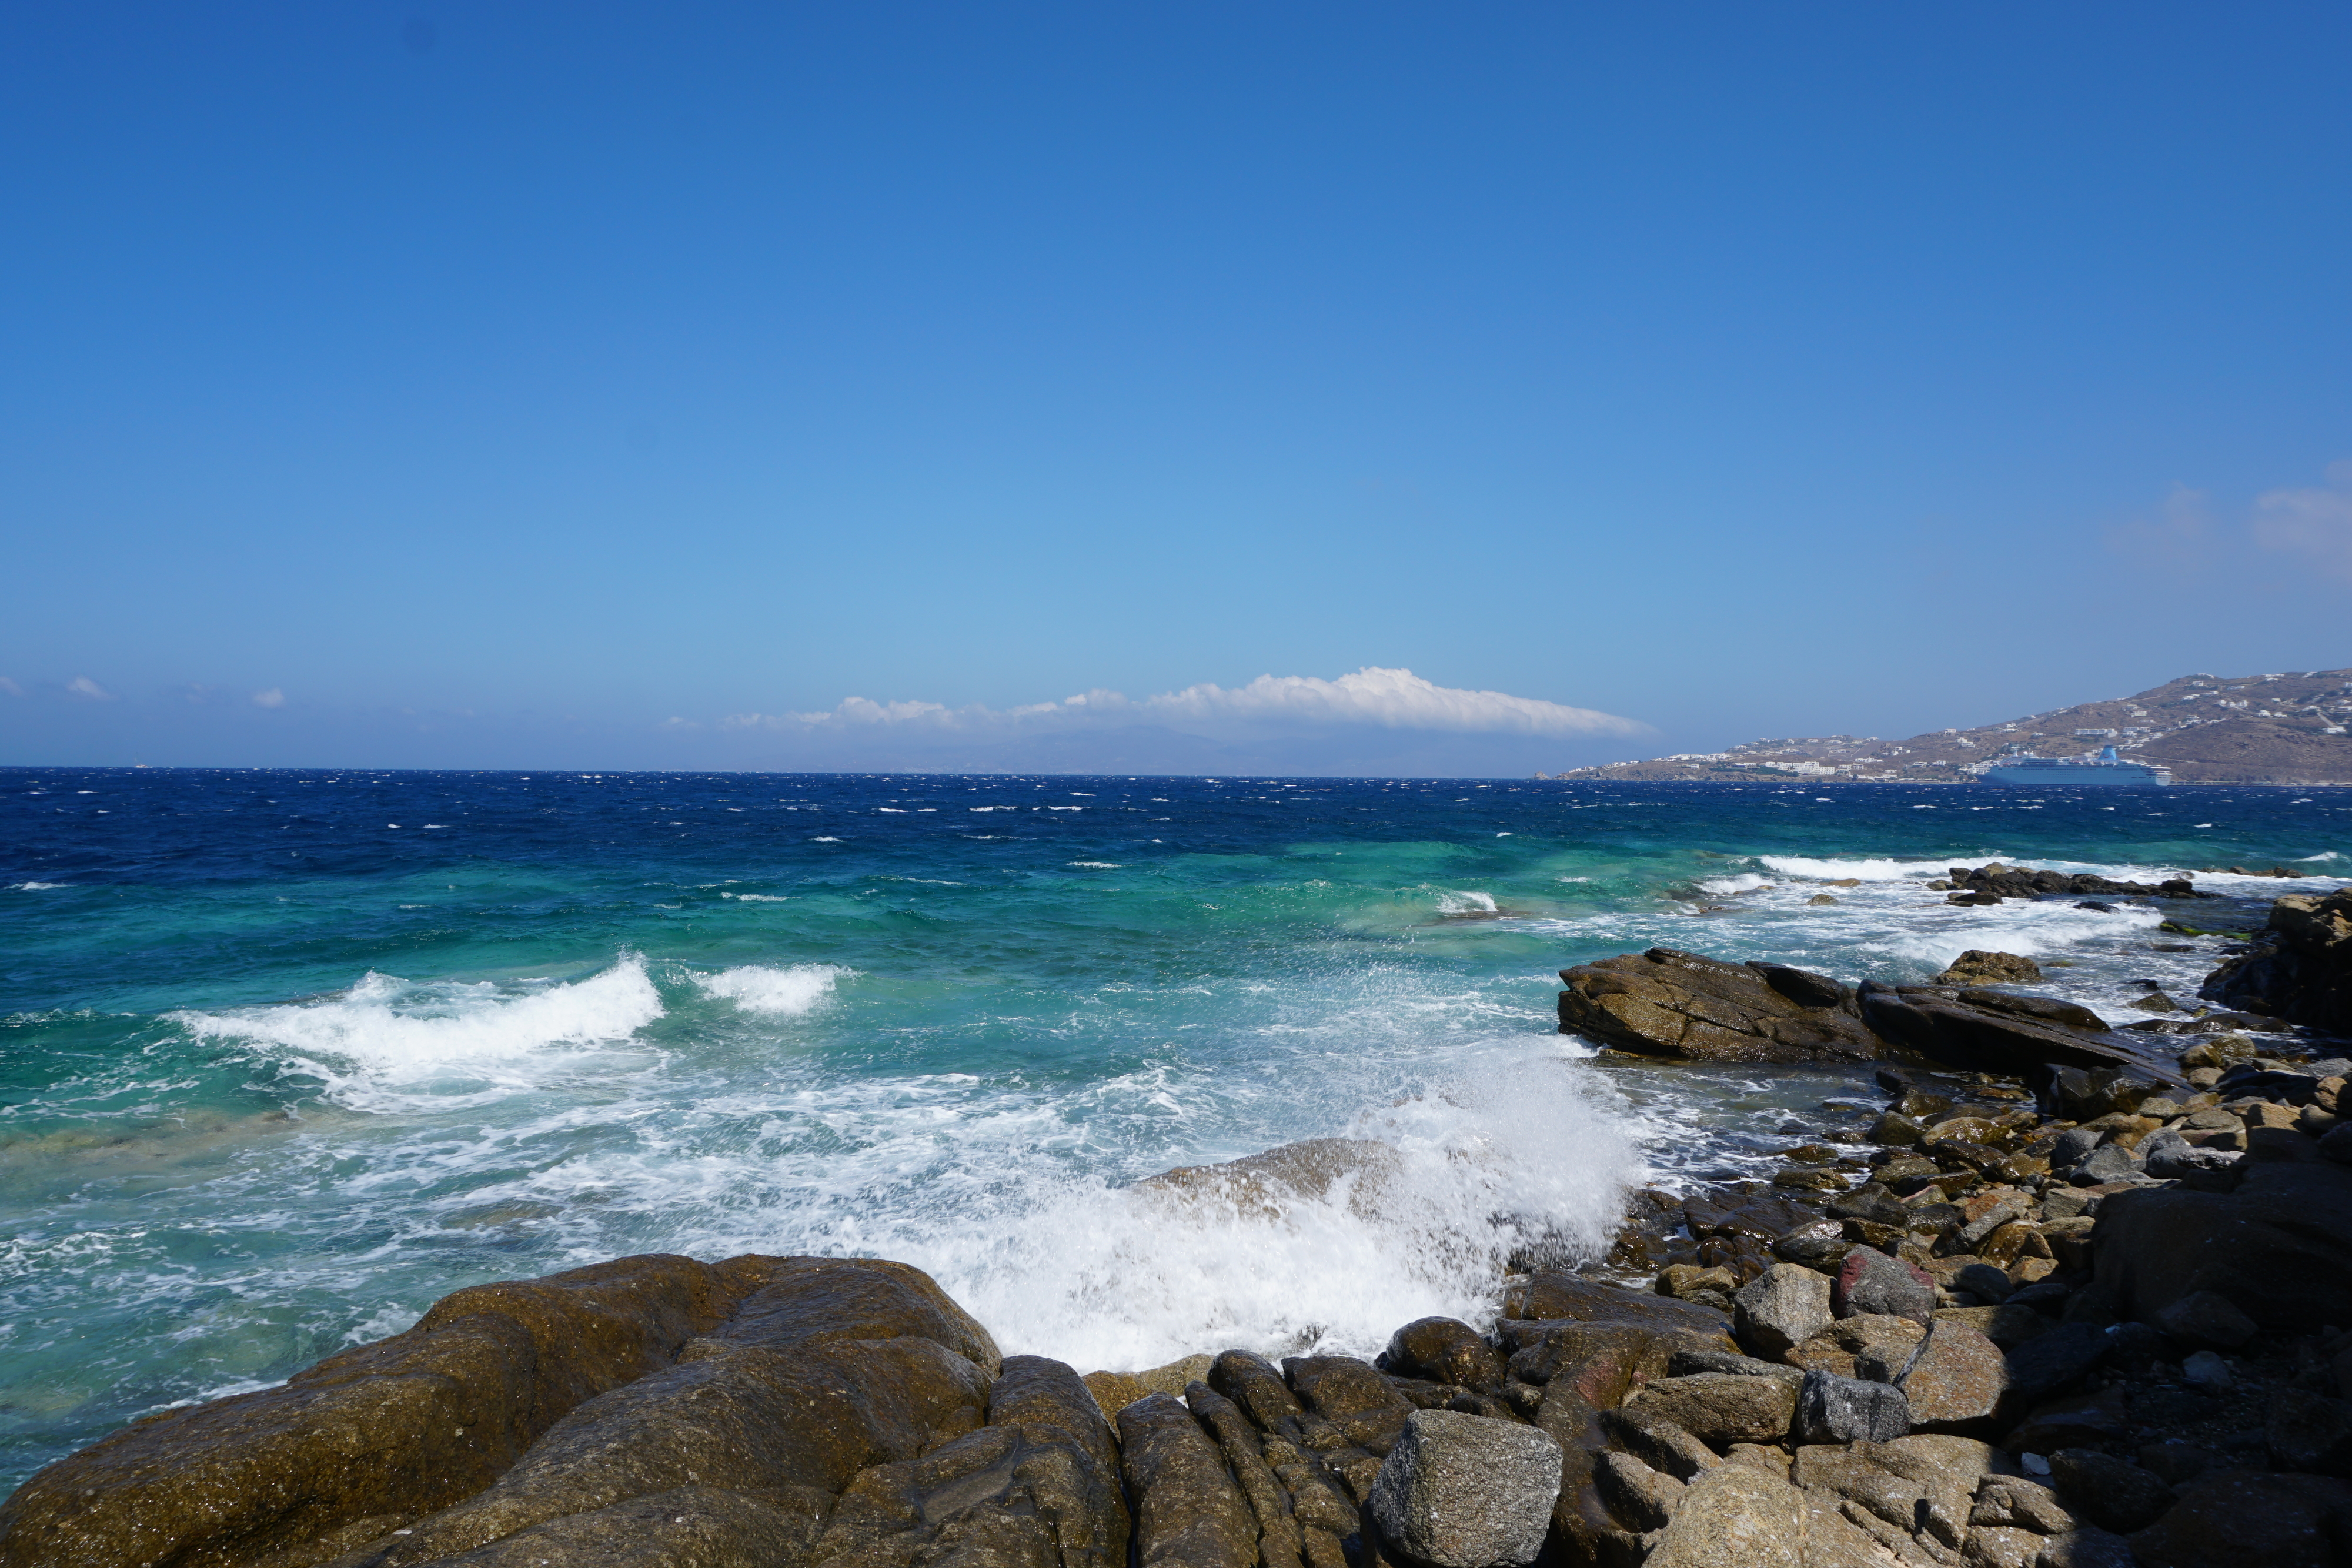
pixel 2323 856
pixel 1464 903
pixel 1831 870
pixel 389 1037
pixel 36 886
pixel 781 993
pixel 1744 882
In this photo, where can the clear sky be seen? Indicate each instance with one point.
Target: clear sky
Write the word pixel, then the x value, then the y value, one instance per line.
pixel 595 385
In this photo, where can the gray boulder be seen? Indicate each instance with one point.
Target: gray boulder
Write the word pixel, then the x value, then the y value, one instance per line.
pixel 1464 1491
pixel 1833 1409
pixel 1780 1309
pixel 1870 1283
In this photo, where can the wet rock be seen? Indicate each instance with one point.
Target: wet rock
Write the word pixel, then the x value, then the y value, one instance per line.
pixel 1351 1395
pixel 1734 1516
pixel 2112 1493
pixel 1188 1512
pixel 1991 1032
pixel 738 1417
pixel 1666 1002
pixel 1445 1351
pixel 2279 1248
pixel 1869 1281
pixel 1279 1544
pixel 1603 1362
pixel 1979 966
pixel 1641 1497
pixel 1832 1409
pixel 2240 1519
pixel 1957 1381
pixel 1780 1309
pixel 2306 1432
pixel 2206 1321
pixel 1039 1485
pixel 690 1528
pixel 1458 1491
pixel 1719 1408
pixel 400 1427
pixel 1543 1297
pixel 2299 968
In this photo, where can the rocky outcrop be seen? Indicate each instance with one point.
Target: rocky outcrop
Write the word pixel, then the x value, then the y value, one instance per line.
pixel 1999 1031
pixel 2299 966
pixel 1666 1002
pixel 1993 882
pixel 1980 966
pixel 654 1410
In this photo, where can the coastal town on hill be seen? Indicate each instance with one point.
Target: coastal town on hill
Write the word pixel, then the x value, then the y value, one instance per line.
pixel 2205 729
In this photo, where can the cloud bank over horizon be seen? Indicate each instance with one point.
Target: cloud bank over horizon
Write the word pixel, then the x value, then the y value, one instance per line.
pixel 1373 720
pixel 1390 699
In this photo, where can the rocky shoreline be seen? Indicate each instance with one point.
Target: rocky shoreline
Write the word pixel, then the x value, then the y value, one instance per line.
pixel 2074 1296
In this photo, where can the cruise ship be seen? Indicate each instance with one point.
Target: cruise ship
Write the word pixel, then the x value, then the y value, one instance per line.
pixel 2105 771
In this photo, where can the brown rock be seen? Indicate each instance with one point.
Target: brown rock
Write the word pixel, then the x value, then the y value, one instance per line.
pixel 1547 1296
pixel 1445 1351
pixel 2299 966
pixel 1979 966
pixel 1352 1396
pixel 1734 1516
pixel 741 1417
pixel 1039 1485
pixel 1666 1002
pixel 1873 1346
pixel 1721 1407
pixel 1279 1542
pixel 1113 1391
pixel 396 1428
pixel 1188 1512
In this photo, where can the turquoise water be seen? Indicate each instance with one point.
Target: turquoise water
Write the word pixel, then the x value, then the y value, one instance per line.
pixel 284 1057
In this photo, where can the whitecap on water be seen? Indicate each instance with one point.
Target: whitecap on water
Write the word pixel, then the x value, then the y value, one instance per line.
pixel 395 1038
pixel 783 992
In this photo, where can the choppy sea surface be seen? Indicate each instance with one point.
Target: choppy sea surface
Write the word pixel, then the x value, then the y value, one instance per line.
pixel 286 1056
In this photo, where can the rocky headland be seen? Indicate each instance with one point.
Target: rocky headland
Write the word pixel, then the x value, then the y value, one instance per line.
pixel 2071 1296
pixel 2281 729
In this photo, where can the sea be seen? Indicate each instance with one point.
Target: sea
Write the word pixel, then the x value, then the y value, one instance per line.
pixel 286 1056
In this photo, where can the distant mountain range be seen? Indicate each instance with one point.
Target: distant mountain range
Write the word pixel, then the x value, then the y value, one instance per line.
pixel 2209 729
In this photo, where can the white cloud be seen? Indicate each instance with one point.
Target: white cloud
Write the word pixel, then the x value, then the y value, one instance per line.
pixel 2314 522
pixel 273 697
pixel 1388 699
pixel 83 686
pixel 11 687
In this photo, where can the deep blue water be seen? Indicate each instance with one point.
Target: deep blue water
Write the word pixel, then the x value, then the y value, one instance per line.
pixel 285 1056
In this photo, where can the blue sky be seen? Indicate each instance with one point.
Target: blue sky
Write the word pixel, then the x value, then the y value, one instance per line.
pixel 602 385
